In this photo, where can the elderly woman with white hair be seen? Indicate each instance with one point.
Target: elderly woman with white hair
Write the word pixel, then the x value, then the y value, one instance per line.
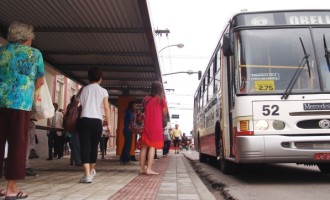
pixel 21 73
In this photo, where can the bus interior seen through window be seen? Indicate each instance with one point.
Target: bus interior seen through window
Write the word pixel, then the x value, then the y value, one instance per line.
pixel 268 59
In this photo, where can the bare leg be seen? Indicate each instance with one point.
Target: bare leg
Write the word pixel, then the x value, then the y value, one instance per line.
pixel 151 155
pixel 12 189
pixel 87 169
pixel 91 166
pixel 143 155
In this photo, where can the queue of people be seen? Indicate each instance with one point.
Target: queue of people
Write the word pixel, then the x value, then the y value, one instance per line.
pixel 18 83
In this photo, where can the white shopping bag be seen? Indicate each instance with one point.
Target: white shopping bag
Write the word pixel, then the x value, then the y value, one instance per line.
pixel 43 106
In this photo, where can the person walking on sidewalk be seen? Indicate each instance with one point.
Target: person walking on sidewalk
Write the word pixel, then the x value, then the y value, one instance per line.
pixel 30 145
pixel 167 142
pixel 75 156
pixel 55 138
pixel 176 134
pixel 21 73
pixel 105 138
pixel 129 118
pixel 93 97
pixel 155 108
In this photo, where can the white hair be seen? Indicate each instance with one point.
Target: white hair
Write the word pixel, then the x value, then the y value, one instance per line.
pixel 20 32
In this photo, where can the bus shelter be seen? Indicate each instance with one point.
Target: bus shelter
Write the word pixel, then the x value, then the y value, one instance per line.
pixel 75 35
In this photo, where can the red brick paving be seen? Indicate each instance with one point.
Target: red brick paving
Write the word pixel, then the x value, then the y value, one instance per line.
pixel 144 186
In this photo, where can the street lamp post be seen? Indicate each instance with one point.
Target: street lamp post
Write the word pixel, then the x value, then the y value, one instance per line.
pixel 180 45
pixel 189 72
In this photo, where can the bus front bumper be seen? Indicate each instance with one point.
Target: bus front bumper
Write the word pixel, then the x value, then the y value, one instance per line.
pixel 282 149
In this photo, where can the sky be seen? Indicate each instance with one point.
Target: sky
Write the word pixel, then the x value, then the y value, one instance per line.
pixel 198 25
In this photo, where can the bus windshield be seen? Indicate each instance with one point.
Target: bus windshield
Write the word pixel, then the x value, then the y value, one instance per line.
pixel 268 58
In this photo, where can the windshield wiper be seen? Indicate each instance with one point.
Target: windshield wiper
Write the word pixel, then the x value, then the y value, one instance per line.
pixel 297 72
pixel 326 52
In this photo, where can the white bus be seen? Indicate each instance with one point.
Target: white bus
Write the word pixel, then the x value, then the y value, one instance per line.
pixel 265 94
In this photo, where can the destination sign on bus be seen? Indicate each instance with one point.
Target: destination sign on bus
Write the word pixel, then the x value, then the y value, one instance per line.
pixel 282 18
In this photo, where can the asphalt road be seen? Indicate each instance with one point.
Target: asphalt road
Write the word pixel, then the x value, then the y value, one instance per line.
pixel 266 182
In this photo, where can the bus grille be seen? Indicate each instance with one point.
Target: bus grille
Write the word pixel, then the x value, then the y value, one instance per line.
pixel 312 145
pixel 310 124
pixel 314 113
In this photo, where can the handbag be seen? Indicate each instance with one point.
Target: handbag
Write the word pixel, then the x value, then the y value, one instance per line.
pixel 72 114
pixel 139 144
pixel 42 105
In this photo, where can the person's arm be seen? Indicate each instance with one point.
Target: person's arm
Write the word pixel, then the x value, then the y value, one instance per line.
pixel 40 74
pixel 164 107
pixel 39 82
pixel 106 108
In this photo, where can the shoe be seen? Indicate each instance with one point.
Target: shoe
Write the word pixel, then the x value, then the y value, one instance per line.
pixel 86 179
pixel 30 172
pixel 33 154
pixel 19 195
pixel 49 158
pixel 93 173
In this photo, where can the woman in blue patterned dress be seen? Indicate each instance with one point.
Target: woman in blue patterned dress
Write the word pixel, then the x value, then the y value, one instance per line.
pixel 21 73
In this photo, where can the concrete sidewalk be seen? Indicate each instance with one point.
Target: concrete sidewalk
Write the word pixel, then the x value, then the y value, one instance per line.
pixel 58 180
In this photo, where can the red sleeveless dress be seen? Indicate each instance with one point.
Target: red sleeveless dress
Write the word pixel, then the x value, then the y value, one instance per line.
pixel 153 129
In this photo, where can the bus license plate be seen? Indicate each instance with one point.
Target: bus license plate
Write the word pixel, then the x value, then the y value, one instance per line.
pixel 322 156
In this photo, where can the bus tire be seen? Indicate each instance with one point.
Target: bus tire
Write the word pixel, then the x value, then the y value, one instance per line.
pixel 324 167
pixel 225 166
pixel 202 157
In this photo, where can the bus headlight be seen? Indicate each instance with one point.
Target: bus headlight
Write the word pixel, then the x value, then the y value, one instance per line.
pixel 278 125
pixel 262 125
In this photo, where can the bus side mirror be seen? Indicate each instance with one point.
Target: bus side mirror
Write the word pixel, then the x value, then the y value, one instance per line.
pixel 199 75
pixel 227 46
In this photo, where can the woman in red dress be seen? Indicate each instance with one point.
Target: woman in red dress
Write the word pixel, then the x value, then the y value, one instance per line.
pixel 152 138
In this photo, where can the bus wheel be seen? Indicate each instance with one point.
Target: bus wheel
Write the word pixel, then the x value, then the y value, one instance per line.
pixel 202 157
pixel 226 166
pixel 324 167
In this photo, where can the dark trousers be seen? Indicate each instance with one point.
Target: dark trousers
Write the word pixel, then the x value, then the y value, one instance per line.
pixel 166 147
pixel 59 145
pixel 104 144
pixel 75 149
pixel 89 130
pixel 13 128
pixel 125 153
pixel 51 144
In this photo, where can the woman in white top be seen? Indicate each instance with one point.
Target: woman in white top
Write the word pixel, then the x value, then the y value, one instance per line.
pixel 93 100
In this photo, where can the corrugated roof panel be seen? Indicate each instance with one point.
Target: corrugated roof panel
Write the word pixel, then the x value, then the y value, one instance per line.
pixel 74 35
pixel 74 13
pixel 100 59
pixel 66 42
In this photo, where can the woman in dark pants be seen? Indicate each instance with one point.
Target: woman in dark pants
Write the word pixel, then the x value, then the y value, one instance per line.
pixel 93 97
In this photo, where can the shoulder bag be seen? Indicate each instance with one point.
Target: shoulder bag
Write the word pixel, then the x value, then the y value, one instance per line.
pixel 72 114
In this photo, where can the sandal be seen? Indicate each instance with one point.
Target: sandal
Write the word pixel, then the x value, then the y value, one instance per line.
pixel 2 193
pixel 19 195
